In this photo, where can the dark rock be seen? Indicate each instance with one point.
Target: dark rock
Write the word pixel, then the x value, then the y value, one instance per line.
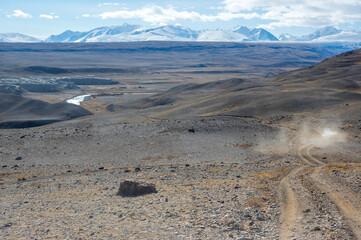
pixel 187 165
pixel 191 130
pixel 135 188
pixel 126 170
pixel 4 166
pixel 307 210
pixel 18 158
pixel 6 225
pixel 316 229
pixel 101 168
pixel 137 169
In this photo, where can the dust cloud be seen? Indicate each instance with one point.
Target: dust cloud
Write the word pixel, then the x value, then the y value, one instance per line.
pixel 289 139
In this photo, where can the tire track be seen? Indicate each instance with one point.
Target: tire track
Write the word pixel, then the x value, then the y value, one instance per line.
pixel 345 200
pixel 289 204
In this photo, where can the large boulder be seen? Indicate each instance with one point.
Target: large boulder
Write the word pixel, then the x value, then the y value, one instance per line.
pixel 130 188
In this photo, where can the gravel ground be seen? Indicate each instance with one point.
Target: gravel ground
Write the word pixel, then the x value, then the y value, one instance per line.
pixel 213 179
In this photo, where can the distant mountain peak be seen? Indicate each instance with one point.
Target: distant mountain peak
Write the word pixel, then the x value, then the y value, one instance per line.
pixel 17 37
pixel 131 32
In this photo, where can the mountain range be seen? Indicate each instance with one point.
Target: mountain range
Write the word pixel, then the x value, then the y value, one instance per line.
pixel 130 33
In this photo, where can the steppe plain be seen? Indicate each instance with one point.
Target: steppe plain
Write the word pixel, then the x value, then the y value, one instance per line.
pixel 243 141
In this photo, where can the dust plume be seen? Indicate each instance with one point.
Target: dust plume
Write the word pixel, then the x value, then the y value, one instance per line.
pixel 316 133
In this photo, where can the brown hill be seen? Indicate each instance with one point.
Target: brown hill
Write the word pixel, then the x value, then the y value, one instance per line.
pixel 19 112
pixel 328 86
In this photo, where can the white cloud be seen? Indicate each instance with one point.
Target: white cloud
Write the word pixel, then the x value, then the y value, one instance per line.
pixel 303 13
pixel 157 14
pixel 108 4
pixel 86 15
pixel 276 13
pixel 19 14
pixel 48 16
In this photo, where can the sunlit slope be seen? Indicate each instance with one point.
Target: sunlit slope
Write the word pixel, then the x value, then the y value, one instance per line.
pixel 333 85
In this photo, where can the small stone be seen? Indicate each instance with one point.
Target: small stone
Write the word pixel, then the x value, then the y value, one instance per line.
pixel 18 158
pixel 191 130
pixel 137 169
pixel 101 168
pixel 316 229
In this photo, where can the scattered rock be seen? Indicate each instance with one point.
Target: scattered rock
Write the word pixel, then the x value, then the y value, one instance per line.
pixel 191 130
pixel 18 158
pixel 135 188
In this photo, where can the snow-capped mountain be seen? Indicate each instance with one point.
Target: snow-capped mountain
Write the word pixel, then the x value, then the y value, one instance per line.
pixel 322 32
pixel 259 34
pixel 326 34
pixel 220 35
pixel 128 32
pixel 132 33
pixel 287 37
pixel 255 34
pixel 97 33
pixel 341 37
pixel 17 37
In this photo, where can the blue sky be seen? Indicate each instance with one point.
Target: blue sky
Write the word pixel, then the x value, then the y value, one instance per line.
pixel 41 18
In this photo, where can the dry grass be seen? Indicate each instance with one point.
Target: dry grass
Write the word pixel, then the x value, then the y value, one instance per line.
pixel 345 167
pixel 255 201
pixel 95 106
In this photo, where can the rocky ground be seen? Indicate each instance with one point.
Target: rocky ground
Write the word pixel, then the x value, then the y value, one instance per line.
pixel 217 178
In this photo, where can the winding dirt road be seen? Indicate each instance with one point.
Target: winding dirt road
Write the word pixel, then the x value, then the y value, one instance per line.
pixel 294 199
